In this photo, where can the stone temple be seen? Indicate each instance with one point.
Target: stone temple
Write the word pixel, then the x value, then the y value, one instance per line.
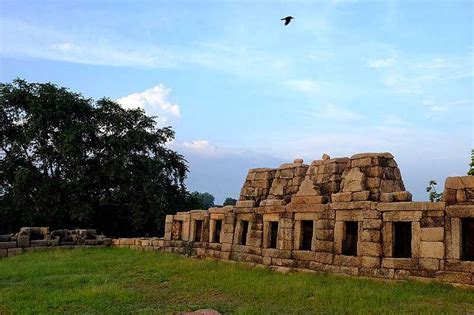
pixel 341 215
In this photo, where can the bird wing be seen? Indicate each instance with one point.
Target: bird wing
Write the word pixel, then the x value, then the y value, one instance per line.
pixel 287 21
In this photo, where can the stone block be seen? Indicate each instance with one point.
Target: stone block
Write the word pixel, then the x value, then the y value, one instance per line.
pixel 456 277
pixel 363 162
pixel 429 263
pixel 351 261
pixel 303 255
pixel 386 197
pixel 353 180
pixel 324 246
pixel 400 263
pixel 309 199
pixel 432 249
pixel 454 183
pixel 36 243
pixel 370 262
pixel 371 236
pixel 325 235
pixel 5 245
pixel 324 224
pixel 432 222
pixel 341 197
pixel 433 234
pixel 407 216
pixel 361 195
pixel 14 251
pixel 371 224
pixel 461 195
pixel 324 258
pixel 245 204
pixel 370 249
pixel 401 196
pixel 23 241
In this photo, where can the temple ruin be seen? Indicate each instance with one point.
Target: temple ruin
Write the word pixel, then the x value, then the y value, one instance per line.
pixel 342 215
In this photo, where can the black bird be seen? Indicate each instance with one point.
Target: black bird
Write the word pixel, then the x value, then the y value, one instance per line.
pixel 287 19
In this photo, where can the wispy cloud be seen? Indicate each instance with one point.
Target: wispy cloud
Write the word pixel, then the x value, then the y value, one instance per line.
pixel 155 101
pixel 23 39
pixel 381 63
pixel 304 85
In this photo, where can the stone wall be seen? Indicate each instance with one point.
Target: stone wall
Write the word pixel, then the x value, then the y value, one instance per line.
pixel 40 238
pixel 344 215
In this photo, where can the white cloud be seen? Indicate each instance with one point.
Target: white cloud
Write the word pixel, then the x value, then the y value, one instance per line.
pixel 381 63
pixel 154 101
pixel 330 113
pixel 438 108
pixel 198 145
pixel 304 85
pixel 201 148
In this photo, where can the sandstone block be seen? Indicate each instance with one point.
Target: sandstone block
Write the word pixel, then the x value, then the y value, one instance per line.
pixel 402 196
pixel 341 197
pixel 433 234
pixel 5 245
pixel 370 249
pixel 324 258
pixel 361 195
pixel 386 197
pixel 454 183
pixel 373 182
pixel 432 249
pixel 23 241
pixel 371 236
pixel 372 224
pixel 457 277
pixel 14 251
pixel 324 246
pixel 461 195
pixel 449 195
pixel 245 204
pixel 400 263
pixel 362 162
pixel 370 262
pixel 429 263
pixel 354 180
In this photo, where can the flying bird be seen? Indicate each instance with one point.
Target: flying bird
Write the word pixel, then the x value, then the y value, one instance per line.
pixel 287 19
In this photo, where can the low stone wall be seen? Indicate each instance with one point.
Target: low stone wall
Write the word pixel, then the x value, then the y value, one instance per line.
pixel 40 238
pixel 432 242
pixel 342 215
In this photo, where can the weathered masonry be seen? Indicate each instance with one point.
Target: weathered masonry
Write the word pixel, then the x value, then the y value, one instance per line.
pixel 343 215
pixel 41 238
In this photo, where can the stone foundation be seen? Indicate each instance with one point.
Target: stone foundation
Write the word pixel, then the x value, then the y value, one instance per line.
pixel 40 238
pixel 344 215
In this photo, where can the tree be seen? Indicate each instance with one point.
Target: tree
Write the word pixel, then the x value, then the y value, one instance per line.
pixel 471 170
pixel 68 161
pixel 197 200
pixel 229 201
pixel 432 194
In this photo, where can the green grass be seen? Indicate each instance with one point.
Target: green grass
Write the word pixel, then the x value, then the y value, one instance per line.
pixel 116 280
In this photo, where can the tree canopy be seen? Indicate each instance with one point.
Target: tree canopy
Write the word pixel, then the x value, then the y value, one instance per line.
pixel 70 161
pixel 229 201
pixel 197 200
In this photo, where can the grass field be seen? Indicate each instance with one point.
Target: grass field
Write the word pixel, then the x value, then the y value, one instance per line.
pixel 122 281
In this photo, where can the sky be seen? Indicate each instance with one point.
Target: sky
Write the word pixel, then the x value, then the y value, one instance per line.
pixel 243 91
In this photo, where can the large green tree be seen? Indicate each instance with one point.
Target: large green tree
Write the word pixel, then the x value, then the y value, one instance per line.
pixel 69 161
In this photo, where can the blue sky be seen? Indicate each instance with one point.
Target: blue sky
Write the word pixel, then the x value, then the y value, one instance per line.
pixel 242 91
